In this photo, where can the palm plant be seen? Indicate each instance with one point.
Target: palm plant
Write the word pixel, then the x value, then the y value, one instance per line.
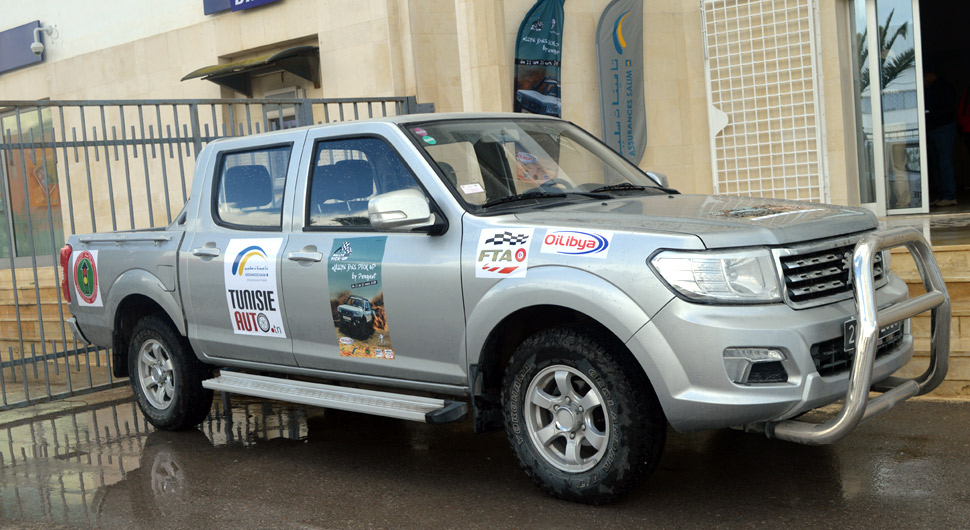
pixel 891 67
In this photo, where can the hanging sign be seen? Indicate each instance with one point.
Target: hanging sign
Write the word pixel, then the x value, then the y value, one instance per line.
pixel 619 51
pixel 538 49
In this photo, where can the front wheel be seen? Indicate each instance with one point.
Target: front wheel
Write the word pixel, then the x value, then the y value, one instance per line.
pixel 167 377
pixel 583 421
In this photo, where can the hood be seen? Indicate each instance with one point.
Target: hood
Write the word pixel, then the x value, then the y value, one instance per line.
pixel 352 309
pixel 719 221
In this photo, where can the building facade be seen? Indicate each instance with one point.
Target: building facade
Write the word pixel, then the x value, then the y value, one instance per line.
pixel 755 97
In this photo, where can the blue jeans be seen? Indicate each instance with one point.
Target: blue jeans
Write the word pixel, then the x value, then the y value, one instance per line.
pixel 940 143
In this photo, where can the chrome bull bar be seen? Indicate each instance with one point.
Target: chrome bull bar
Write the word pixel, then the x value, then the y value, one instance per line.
pixel 858 407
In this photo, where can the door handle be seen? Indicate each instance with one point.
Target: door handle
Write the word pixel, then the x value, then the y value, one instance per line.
pixel 208 252
pixel 304 256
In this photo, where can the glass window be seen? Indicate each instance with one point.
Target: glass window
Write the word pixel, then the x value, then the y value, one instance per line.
pixel 490 161
pixel 346 174
pixel 33 200
pixel 250 185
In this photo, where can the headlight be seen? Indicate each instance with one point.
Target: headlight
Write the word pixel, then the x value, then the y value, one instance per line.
pixel 741 277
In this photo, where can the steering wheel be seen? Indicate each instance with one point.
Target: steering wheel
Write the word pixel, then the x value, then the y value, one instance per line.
pixel 556 182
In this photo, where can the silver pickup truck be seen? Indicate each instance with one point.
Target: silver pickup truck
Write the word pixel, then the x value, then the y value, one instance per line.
pixel 514 269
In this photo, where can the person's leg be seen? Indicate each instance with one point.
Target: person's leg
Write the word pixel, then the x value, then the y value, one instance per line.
pixel 933 164
pixel 947 183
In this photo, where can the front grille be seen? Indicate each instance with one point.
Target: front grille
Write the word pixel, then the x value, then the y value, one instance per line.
pixel 831 358
pixel 820 275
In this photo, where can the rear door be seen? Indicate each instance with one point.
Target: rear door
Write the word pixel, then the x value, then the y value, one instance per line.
pixel 234 303
pixel 361 301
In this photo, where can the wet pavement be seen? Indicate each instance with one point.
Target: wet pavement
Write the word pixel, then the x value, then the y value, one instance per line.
pixel 272 465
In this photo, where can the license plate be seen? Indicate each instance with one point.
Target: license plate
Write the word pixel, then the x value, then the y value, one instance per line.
pixel 849 330
pixel 347 319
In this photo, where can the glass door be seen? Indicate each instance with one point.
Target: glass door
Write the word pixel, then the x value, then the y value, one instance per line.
pixel 890 135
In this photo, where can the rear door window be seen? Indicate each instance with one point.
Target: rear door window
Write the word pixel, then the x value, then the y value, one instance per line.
pixel 250 187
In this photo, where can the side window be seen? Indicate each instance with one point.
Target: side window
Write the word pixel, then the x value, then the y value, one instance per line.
pixel 250 188
pixel 346 174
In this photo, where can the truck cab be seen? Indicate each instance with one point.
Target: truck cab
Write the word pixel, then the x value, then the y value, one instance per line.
pixel 512 268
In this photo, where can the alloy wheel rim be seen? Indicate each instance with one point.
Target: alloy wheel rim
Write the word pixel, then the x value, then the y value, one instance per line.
pixel 566 418
pixel 156 374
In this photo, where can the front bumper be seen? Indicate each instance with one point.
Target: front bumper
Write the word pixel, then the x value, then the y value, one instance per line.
pixel 682 347
pixel 686 341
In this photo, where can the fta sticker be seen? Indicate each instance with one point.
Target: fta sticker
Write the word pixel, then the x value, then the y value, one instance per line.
pixel 503 253
pixel 85 271
pixel 577 243
pixel 429 140
pixel 251 292
pixel 419 131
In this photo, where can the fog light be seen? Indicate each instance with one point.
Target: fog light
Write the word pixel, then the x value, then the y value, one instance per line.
pixel 755 365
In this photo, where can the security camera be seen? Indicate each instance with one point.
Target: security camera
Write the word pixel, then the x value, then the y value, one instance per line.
pixel 37 47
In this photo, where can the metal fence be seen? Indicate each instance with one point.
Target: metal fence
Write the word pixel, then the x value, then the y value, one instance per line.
pixel 71 167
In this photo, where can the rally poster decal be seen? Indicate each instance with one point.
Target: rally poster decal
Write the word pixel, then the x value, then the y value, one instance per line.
pixel 503 253
pixel 85 273
pixel 357 297
pixel 251 287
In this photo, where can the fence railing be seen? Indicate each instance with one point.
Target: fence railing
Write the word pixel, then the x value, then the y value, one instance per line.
pixel 70 167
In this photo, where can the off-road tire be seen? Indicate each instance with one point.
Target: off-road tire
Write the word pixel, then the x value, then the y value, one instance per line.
pixel 189 403
pixel 636 427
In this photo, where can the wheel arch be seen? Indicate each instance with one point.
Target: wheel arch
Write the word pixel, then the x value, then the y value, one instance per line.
pixel 512 311
pixel 128 306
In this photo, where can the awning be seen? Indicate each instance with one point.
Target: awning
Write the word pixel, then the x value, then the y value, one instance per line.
pixel 237 75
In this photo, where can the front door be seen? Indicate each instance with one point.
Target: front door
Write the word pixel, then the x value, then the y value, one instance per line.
pixel 359 301
pixel 231 262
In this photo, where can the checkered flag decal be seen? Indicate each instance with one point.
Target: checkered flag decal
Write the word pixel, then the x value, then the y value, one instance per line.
pixel 507 238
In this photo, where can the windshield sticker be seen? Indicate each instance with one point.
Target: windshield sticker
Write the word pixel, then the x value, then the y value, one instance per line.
pixel 429 140
pixel 577 243
pixel 86 278
pixel 469 189
pixel 357 298
pixel 419 131
pixel 503 253
pixel 251 288
pixel 534 168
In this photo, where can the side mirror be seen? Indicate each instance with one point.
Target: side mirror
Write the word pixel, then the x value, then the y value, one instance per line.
pixel 659 178
pixel 400 211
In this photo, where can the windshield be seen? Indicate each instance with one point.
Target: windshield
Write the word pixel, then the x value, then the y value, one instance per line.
pixel 494 161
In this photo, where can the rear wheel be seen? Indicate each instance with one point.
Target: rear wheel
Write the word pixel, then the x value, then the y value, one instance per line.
pixel 167 377
pixel 585 424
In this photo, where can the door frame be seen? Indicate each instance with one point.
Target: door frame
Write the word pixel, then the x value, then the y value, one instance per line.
pixel 880 206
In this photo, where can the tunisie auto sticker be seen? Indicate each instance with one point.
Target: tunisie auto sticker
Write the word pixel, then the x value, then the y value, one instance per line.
pixel 251 287
pixel 357 308
pixel 503 253
pixel 86 278
pixel 588 243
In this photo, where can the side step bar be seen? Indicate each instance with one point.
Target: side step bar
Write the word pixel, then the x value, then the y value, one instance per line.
pixel 401 406
pixel 858 407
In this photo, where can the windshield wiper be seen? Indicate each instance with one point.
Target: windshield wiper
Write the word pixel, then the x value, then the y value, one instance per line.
pixel 626 186
pixel 533 194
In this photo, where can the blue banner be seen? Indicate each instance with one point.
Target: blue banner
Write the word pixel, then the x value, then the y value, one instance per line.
pixel 538 51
